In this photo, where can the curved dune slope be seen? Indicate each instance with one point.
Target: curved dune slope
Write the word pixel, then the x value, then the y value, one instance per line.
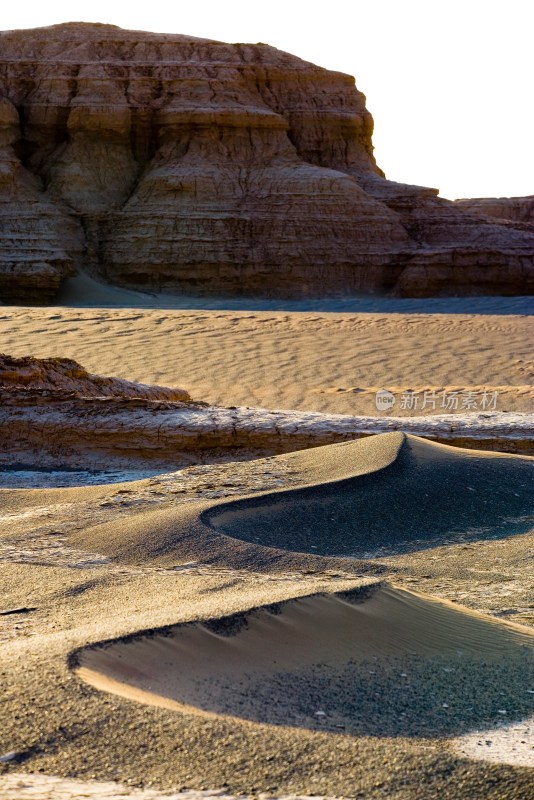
pixel 386 492
pixel 170 536
pixel 427 492
pixel 377 661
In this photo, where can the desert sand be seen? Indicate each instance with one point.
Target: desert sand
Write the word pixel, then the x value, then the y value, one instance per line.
pixel 336 651
pixel 222 583
pixel 313 361
pixel 215 666
pixel 390 578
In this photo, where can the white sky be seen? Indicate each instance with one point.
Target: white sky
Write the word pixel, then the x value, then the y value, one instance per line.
pixel 450 83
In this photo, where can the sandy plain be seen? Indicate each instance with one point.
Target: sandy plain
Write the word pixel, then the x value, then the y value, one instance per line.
pixel 316 356
pixel 73 588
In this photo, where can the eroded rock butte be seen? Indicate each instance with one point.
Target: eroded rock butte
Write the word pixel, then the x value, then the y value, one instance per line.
pixel 191 165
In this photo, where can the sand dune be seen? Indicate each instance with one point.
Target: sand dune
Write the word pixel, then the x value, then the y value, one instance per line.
pixel 377 661
pixel 385 493
pixel 399 680
pixel 427 493
pixel 363 683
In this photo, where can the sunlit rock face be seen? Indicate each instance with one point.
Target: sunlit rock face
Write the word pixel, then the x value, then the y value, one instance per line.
pixel 63 378
pixel 190 165
pixel 517 212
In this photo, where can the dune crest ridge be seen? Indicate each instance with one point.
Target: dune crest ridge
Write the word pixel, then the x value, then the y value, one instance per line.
pixel 426 492
pixel 361 499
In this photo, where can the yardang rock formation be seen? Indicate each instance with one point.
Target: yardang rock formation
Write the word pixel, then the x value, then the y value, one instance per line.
pixel 191 165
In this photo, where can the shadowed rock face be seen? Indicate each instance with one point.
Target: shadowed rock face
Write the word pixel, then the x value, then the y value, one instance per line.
pixel 38 239
pixel 191 165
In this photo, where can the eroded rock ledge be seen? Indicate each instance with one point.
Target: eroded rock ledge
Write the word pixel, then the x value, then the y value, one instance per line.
pixel 191 165
pixel 23 380
pixel 53 414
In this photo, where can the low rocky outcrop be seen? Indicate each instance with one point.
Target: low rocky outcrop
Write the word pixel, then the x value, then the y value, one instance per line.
pixel 190 165
pixel 26 379
pixel 55 415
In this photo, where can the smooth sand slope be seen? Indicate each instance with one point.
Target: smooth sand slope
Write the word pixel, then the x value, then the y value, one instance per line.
pixel 383 494
pixel 316 361
pixel 379 661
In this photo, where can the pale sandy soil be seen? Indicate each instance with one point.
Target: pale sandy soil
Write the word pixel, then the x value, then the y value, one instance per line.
pixel 76 594
pixel 45 787
pixel 312 361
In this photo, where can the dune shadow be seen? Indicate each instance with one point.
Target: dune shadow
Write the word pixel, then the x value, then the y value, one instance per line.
pixel 375 662
pixel 431 494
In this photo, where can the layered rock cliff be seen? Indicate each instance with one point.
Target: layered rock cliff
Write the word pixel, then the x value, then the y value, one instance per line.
pixel 191 165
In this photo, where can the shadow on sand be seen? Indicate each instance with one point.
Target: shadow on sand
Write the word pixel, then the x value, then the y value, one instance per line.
pixel 379 661
pixel 430 494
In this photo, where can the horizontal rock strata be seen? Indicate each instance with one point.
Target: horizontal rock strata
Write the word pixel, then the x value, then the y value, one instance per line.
pixel 191 165
pixel 516 212
pixel 120 433
pixel 54 414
